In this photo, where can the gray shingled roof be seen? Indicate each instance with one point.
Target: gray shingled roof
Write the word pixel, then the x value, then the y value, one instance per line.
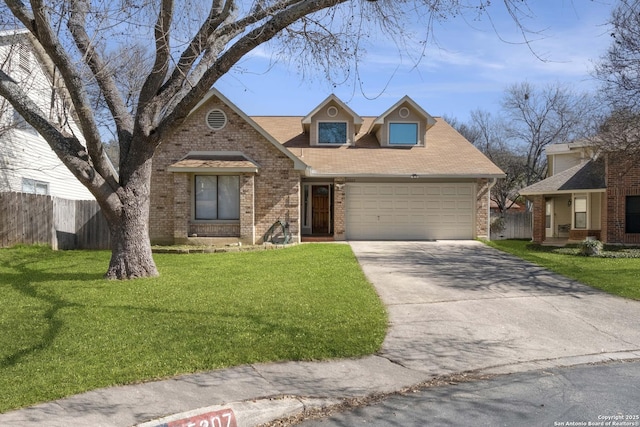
pixel 585 176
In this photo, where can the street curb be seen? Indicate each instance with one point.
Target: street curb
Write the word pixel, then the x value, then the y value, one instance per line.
pixel 562 362
pixel 242 414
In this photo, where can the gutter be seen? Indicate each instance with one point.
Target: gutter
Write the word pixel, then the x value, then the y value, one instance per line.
pixel 492 184
pixel 309 172
pixel 570 191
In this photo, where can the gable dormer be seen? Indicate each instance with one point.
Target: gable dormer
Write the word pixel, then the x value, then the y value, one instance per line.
pixel 332 123
pixel 405 124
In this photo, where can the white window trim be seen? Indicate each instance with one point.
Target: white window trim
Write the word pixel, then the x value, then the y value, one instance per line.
pixel 587 197
pixel 35 183
pixel 418 140
pixel 329 144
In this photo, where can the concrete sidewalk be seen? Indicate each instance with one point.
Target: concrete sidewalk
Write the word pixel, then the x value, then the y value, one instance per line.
pixel 453 307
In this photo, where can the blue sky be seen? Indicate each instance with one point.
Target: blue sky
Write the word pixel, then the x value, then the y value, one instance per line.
pixel 467 66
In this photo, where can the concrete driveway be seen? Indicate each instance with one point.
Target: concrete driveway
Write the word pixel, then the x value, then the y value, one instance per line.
pixel 459 306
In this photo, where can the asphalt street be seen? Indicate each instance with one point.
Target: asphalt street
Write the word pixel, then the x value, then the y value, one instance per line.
pixel 585 395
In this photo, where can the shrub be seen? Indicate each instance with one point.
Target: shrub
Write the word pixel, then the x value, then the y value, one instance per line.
pixel 498 225
pixel 590 247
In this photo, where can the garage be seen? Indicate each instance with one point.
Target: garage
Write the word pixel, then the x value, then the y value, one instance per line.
pixel 410 211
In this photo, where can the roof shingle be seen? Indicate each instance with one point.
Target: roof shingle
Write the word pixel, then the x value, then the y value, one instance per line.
pixel 446 153
pixel 585 176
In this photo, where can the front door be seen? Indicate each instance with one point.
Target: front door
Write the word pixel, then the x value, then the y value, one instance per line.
pixel 320 208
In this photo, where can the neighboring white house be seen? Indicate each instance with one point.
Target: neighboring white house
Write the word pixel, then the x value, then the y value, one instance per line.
pixel 27 163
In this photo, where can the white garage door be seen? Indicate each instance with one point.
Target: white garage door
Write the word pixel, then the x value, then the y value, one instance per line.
pixel 412 211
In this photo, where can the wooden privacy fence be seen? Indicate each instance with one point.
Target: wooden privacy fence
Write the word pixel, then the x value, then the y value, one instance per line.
pixel 517 225
pixel 61 223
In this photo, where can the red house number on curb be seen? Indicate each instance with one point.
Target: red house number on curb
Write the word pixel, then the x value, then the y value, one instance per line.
pixel 222 418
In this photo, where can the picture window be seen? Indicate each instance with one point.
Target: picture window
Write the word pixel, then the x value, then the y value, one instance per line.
pixel 332 133
pixel 217 197
pixel 403 133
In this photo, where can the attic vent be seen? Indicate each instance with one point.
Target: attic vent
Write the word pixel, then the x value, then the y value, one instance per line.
pixel 404 112
pixel 332 111
pixel 24 57
pixel 216 119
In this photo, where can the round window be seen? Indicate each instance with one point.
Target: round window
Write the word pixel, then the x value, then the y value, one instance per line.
pixel 332 111
pixel 404 112
pixel 216 119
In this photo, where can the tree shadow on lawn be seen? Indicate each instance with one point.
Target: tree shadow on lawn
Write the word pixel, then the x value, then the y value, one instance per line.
pixel 475 268
pixel 25 281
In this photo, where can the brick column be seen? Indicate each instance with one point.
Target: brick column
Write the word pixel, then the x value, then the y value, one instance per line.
pixel 182 207
pixel 247 209
pixel 482 209
pixel 539 223
pixel 339 200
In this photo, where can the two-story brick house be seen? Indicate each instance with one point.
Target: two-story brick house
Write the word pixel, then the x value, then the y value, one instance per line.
pixel 586 194
pixel 402 175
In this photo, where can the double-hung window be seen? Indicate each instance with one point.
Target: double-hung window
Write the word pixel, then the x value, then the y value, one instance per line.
pixel 403 133
pixel 332 132
pixel 632 215
pixel 217 197
pixel 580 212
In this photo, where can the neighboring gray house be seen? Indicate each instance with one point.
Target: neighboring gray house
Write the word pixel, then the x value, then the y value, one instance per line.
pixel 27 163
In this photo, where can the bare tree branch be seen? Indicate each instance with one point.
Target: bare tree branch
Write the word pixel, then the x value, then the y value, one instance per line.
pixel 102 75
pixel 40 27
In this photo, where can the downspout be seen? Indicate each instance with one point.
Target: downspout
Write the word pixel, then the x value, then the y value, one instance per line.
pixel 492 183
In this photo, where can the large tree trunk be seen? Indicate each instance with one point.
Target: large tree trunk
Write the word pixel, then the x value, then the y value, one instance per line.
pixel 130 245
pixel 130 248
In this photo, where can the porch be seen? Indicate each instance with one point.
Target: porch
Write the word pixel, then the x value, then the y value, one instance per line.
pixel 568 218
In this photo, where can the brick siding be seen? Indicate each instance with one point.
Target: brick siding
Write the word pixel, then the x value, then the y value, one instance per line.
pixel 622 181
pixel 581 234
pixel 270 195
pixel 482 209
pixel 539 219
pixel 339 213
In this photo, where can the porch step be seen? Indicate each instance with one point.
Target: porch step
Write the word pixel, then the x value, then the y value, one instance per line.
pixel 311 239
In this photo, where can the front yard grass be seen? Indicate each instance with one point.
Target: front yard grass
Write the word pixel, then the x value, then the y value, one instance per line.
pixel 65 330
pixel 617 271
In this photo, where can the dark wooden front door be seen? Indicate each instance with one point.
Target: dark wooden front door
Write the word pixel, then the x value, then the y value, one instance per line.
pixel 320 209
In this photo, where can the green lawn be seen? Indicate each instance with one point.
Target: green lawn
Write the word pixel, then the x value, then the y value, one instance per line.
pixel 66 330
pixel 616 272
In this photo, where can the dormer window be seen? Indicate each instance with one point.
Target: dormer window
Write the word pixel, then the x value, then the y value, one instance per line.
pixel 403 133
pixel 332 123
pixel 332 132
